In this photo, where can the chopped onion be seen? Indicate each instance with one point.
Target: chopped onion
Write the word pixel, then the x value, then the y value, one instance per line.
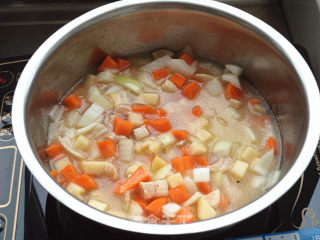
pixel 86 129
pixel 72 118
pixel 129 83
pixel 65 142
pixel 146 79
pixel 156 64
pixel 105 77
pixel 114 88
pixel 90 115
pixel 95 96
pixel 231 78
pixel 236 70
pixel 180 66
pixel 126 147
pixel 53 113
pixel 190 185
pixel 251 134
pixel 214 87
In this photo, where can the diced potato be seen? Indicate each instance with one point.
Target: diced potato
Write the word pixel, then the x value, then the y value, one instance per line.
pixel 61 163
pixel 239 169
pixel 132 168
pixel 192 139
pixel 214 87
pixel 151 98
pixel 158 163
pixel 213 198
pixel 93 167
pixel 233 113
pixel 167 139
pixel 193 199
pixel 111 171
pixel 147 189
pixel 76 190
pixel 217 177
pixel 249 154
pixel 152 145
pixel 262 165
pixel 161 187
pixel 204 135
pixel 235 103
pixel 201 174
pixel 171 209
pixel 204 210
pixel 162 172
pixel 175 180
pixel 204 122
pixel 190 185
pixel 82 143
pixel 236 70
pixel 102 206
pixel 169 86
pixel 197 148
pixel 126 147
pixel 222 148
pixel 136 119
pixel 141 132
pixel 96 97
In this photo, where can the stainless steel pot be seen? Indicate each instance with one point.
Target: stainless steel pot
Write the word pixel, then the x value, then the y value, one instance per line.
pixel 214 30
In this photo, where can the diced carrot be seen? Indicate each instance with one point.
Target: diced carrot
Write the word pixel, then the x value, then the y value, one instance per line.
pixel 191 91
pixel 147 121
pixel 272 144
pixel 144 109
pixel 72 101
pixel 233 92
pixel 122 127
pixel 123 64
pixel 187 57
pixel 162 112
pixel 224 201
pixel 178 80
pixel 184 151
pixel 140 175
pixel 108 63
pixel 54 150
pixel 63 181
pixel 70 173
pixel 184 163
pixel 197 111
pixel 204 187
pixel 141 201
pixel 54 174
pixel 155 207
pixel 160 74
pixel 179 194
pixel 86 182
pixel 185 215
pixel 202 161
pixel 180 134
pixel 254 101
pixel 161 125
pixel 107 148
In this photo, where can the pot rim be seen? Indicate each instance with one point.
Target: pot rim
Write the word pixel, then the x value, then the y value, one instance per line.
pixel 19 113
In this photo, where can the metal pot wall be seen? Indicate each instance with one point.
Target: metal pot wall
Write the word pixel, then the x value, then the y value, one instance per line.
pixel 215 31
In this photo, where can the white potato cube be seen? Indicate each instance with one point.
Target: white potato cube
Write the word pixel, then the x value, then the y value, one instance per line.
pixel 235 103
pixel 136 119
pixel 213 198
pixel 126 147
pixel 141 132
pixel 147 189
pixel 169 86
pixel 93 167
pixel 162 172
pixel 239 169
pixel 167 139
pixel 111 171
pixel 151 98
pixel 262 165
pixel 193 199
pixel 82 143
pixel 249 154
pixel 204 210
pixel 157 163
pixel 217 177
pixel 204 135
pixel 201 174
pixel 76 190
pixel 171 209
pixel 61 163
pixel 222 148
pixel 197 148
pixel 175 180
pixel 190 185
pixel 161 187
pixel 102 206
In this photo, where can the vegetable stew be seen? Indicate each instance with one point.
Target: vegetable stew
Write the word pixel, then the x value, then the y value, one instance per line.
pixel 164 138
